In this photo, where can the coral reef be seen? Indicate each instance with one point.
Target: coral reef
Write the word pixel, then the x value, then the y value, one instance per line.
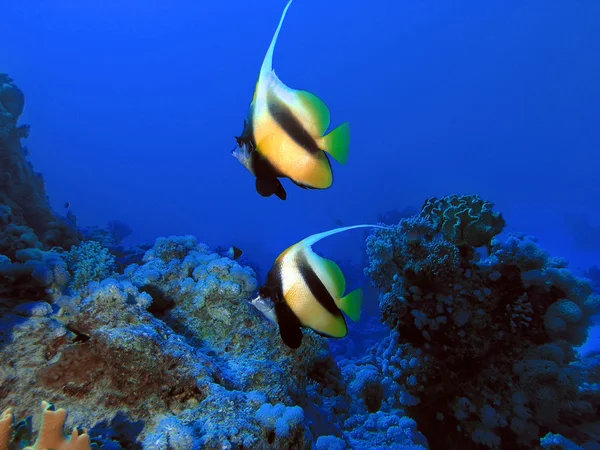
pixel 481 347
pixel 157 346
pixel 34 275
pixel 24 206
pixel 89 262
pixel 174 344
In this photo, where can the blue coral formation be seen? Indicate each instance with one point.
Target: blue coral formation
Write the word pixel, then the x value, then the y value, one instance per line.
pixel 480 353
pixel 481 348
pixel 173 343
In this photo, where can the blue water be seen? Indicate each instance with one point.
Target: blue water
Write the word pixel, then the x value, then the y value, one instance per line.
pixel 134 106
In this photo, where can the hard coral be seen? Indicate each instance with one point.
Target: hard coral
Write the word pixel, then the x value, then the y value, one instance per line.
pixel 35 275
pixel 463 219
pixel 21 188
pixel 51 435
pixel 204 368
pixel 203 296
pixel 89 262
pixel 480 348
pixel 154 365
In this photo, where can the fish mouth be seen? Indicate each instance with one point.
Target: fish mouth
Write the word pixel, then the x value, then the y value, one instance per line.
pixel 241 153
pixel 265 306
pixel 261 302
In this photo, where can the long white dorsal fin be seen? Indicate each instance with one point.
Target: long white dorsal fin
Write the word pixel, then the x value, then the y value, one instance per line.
pixel 267 65
pixel 311 240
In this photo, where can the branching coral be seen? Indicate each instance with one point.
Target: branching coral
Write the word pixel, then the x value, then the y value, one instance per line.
pixel 50 436
pixel 89 262
pixel 480 347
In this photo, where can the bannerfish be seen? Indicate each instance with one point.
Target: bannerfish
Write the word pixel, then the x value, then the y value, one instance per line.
pixel 304 289
pixel 284 134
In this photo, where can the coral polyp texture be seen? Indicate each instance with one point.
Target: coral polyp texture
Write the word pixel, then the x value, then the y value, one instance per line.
pixel 481 349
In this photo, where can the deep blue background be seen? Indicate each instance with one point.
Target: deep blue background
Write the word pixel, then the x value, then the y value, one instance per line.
pixel 134 106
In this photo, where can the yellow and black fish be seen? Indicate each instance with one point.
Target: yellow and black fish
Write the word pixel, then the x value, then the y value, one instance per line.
pixel 304 289
pixel 284 134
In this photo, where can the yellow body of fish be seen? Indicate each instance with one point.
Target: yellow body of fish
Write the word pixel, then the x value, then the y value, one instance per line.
pixel 307 290
pixel 284 135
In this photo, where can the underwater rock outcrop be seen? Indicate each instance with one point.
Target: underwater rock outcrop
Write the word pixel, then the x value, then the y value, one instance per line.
pixel 23 199
pixel 28 226
pixel 481 349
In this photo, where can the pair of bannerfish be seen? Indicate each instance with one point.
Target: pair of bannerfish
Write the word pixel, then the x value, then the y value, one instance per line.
pixel 284 137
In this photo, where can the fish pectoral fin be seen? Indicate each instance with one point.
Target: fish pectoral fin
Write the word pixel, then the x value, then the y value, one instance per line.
pixel 337 143
pixel 280 191
pixel 351 304
pixel 265 186
pixel 318 110
pixel 289 327
pixel 269 186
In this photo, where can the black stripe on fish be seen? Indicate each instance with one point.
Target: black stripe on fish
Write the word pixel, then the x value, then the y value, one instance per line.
pixel 289 324
pixel 316 286
pixel 263 168
pixel 237 252
pixel 290 124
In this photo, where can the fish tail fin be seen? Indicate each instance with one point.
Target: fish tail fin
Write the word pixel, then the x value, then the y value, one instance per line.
pixel 337 143
pixel 267 65
pixel 311 240
pixel 351 304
